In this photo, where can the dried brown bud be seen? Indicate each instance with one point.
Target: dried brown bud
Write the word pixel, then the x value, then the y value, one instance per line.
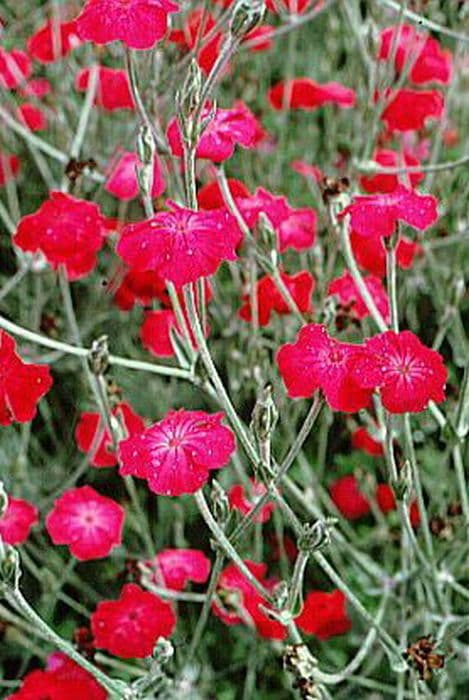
pixel 422 656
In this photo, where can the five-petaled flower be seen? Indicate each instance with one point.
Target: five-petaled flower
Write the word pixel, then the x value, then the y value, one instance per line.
pixel 138 23
pixel 174 568
pixel 112 90
pixel 378 214
pixel 130 626
pixel 305 93
pixel 317 361
pixel 348 499
pixel 324 614
pixel 17 521
pixel 407 373
pixel 176 454
pixel 68 231
pixel 22 384
pixel 93 436
pixel 90 524
pixel 181 245
pixel 53 41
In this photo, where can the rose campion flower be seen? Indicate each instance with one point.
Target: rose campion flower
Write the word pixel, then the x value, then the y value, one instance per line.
pixel 198 35
pixel 139 287
pixel 378 214
pixel 210 195
pixel 52 41
pixel 409 110
pixel 345 290
pixel 305 93
pixel 138 23
pixel 407 373
pixel 269 298
pixel 156 329
pixel 61 679
pixel 236 595
pixel 176 455
pixel 363 440
pixel 430 63
pixel 9 168
pixel 22 384
pixel 295 228
pixel 130 626
pixel 317 361
pixel 348 499
pixel 91 425
pixel 88 523
pixel 243 500
pixel 15 68
pixel 68 231
pixel 324 614
pixel 31 116
pixel 122 177
pixel 370 253
pixel 113 90
pixel 174 568
pixel 385 182
pixel 36 87
pixel 228 128
pixel 17 521
pixel 181 245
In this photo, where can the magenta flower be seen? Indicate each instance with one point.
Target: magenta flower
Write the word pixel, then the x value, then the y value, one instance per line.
pixel 345 290
pixel 138 23
pixel 377 215
pixel 181 245
pixel 17 521
pixel 90 524
pixel 176 454
pixel 174 568
pixel 122 178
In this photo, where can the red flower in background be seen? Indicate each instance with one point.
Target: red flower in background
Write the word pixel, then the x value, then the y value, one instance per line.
pixel 140 287
pixel 130 626
pixel 176 455
pixel 199 23
pixel 17 521
pixel 113 90
pixel 307 170
pixel 210 195
pixel 174 568
pixel 382 182
pixel 305 93
pixel 9 168
pixel 91 426
pixel 63 678
pixel 122 177
pixel 377 215
pixel 228 128
pixel 36 87
pixel 270 300
pixel 238 600
pixel 181 245
pixel 363 440
pixel 31 116
pixel 370 252
pixel 409 110
pixel 324 614
pixel 66 230
pixel 155 332
pixel 88 523
pixel 295 228
pixel 348 499
pixel 407 373
pixel 345 289
pixel 317 361
pixel 22 385
pixel 244 500
pixel 138 23
pixel 430 63
pixel 387 502
pixel 53 41
pixel 15 68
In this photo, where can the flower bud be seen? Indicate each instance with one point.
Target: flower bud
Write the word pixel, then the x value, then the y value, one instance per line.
pixel 315 536
pixel 10 571
pixel 220 503
pixel 189 97
pixel 247 15
pixel 146 147
pixel 265 415
pixel 163 651
pixel 3 500
pixel 268 238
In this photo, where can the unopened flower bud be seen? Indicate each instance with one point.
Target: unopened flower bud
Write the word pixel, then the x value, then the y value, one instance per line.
pixel 268 238
pixel 189 97
pixel 3 500
pixel 403 485
pixel 163 651
pixel 146 147
pixel 247 15
pixel 10 571
pixel 315 536
pixel 145 179
pixel 98 356
pixel 220 503
pixel 265 415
